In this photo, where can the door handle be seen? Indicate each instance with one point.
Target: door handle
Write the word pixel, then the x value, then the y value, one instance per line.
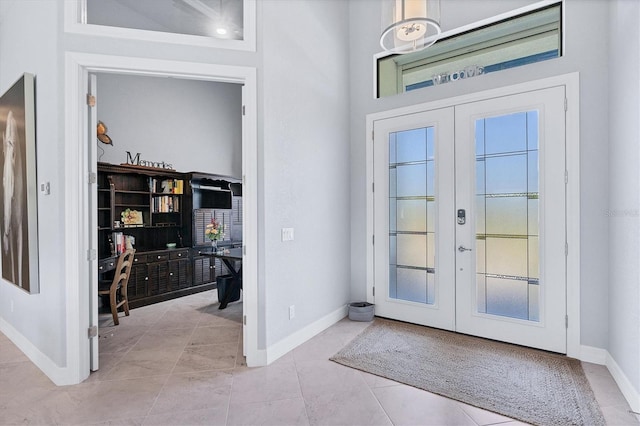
pixel 462 249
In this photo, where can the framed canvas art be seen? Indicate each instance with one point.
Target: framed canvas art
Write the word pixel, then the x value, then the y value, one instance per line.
pixel 19 224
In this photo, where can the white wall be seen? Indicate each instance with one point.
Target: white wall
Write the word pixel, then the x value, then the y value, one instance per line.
pixel 623 212
pixel 586 52
pixel 303 162
pixel 28 43
pixel 306 161
pixel 194 125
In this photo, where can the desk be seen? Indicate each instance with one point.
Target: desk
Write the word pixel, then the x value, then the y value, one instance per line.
pixel 229 257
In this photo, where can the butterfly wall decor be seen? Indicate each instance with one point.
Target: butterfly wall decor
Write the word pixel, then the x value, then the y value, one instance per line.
pixel 102 134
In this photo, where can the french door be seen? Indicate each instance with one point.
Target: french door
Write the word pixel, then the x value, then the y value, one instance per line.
pixel 469 218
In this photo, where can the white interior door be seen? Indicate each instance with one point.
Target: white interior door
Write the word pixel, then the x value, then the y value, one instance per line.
pixel 414 228
pixel 93 224
pixel 510 182
pixel 470 229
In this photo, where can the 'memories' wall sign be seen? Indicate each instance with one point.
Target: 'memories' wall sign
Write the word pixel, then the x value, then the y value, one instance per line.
pixel 136 161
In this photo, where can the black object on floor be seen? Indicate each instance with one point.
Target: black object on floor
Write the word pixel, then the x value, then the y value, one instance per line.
pixel 226 283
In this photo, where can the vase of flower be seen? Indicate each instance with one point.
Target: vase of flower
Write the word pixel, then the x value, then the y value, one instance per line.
pixel 214 231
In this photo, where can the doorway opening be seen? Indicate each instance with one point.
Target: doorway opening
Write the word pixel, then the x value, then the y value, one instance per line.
pixel 78 148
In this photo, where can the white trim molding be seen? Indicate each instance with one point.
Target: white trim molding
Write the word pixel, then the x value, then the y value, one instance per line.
pixel 77 241
pixel 61 376
pixel 593 355
pixel 73 23
pixel 571 82
pixel 603 357
pixel 626 387
pixel 294 340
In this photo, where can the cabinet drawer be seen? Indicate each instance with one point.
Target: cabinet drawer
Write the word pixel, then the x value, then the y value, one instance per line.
pixel 139 259
pixel 158 257
pixel 107 264
pixel 181 254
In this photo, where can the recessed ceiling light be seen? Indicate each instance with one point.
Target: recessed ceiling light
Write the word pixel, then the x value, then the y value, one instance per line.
pixel 221 31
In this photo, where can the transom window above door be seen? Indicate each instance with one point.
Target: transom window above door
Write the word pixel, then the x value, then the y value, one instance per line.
pixel 210 18
pixel 524 37
pixel 226 24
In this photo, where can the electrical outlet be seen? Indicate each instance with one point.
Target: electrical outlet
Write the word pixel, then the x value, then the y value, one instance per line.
pixel 287 234
pixel 292 311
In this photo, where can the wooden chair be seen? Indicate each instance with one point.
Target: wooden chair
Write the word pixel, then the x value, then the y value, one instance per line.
pixel 117 289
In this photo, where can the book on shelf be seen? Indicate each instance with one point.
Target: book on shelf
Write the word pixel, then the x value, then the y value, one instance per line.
pixel 118 241
pixel 166 186
pixel 166 204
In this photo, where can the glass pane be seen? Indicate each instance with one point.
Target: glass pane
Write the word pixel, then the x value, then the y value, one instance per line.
pixel 431 250
pixel 411 145
pixel 481 256
pixel 481 290
pixel 431 216
pixel 508 298
pixel 392 214
pixel 532 130
pixel 431 170
pixel 507 174
pixel 411 180
pixel 532 172
pixel 534 302
pixel 506 133
pixel 431 288
pixel 392 250
pixel 392 148
pixel 412 250
pixel 392 182
pixel 507 259
pixel 412 215
pixel 533 217
pixel 412 285
pixel 481 185
pixel 392 281
pixel 480 137
pixel 534 256
pixel 481 215
pixel 507 216
pixel 507 256
pixel 431 141
pixel 222 19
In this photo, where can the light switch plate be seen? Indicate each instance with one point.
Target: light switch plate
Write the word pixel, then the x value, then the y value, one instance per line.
pixel 287 234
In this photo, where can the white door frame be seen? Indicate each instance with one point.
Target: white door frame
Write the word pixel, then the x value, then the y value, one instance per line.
pixel 76 188
pixel 572 85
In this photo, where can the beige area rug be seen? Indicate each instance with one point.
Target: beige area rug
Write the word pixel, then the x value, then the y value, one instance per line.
pixel 533 386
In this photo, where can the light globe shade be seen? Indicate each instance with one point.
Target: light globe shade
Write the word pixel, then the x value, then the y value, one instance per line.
pixel 409 25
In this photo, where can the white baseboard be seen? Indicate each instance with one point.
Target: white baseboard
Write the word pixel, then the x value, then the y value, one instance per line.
pixel 626 387
pixel 603 357
pixel 58 375
pixel 593 355
pixel 291 342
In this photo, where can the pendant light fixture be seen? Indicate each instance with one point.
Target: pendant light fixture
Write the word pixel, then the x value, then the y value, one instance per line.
pixel 409 25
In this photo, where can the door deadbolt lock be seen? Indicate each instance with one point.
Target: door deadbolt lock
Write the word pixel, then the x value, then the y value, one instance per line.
pixel 462 217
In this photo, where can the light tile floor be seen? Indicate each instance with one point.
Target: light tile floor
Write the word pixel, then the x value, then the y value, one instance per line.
pixel 180 363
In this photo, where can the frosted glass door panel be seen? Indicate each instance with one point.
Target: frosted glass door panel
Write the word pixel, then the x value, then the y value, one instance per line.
pixel 411 221
pixel 413 236
pixel 510 181
pixel 506 204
